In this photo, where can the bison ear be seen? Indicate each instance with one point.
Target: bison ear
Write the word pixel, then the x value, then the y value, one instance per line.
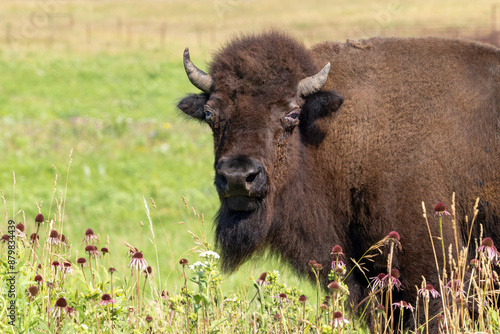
pixel 193 105
pixel 316 106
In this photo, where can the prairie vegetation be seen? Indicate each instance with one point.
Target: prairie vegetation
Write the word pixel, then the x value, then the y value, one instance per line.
pixel 101 79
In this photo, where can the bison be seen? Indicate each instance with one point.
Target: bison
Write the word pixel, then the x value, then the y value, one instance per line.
pixel 341 143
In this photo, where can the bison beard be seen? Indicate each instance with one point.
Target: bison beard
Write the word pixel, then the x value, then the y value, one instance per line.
pixel 239 234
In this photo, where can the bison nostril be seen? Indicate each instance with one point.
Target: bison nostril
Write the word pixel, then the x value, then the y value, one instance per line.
pixel 252 177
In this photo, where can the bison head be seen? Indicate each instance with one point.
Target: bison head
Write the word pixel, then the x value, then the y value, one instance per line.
pixel 260 88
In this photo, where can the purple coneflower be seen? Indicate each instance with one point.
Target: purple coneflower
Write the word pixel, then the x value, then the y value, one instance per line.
pixel 20 230
pixel 455 287
pixel 34 238
pixel 81 261
pixel 440 209
pixel 302 299
pixel 91 250
pixel 429 291
pixel 68 269
pixel 488 248
pixel 5 238
pixel 262 279
pixel 138 262
pixel 378 281
pixel 32 291
pixel 60 307
pixel 53 238
pixel 39 219
pixel 90 237
pixel 62 239
pixel 402 304
pixel 394 277
pixel 38 279
pixel 339 320
pixel 106 299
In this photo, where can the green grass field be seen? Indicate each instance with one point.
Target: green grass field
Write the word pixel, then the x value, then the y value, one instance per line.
pixel 102 79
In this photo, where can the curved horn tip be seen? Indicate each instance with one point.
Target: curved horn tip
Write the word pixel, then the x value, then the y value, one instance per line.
pixel 186 53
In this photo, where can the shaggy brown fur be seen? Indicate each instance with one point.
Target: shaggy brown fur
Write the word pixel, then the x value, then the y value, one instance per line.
pixel 420 120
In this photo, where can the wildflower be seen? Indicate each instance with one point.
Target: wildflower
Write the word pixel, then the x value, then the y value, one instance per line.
pixel 81 261
pixel 164 294
pixel 402 304
pixel 62 239
pixel 183 262
pixel 53 238
pixel 302 299
pixel 339 320
pixel 138 262
pixel 104 250
pixel 429 291
pixel 148 271
pixel 210 254
pixel 440 209
pixel 488 248
pixel 91 250
pixel 324 305
pixel 337 253
pixel 455 287
pixel 56 264
pixel 378 281
pixel 476 264
pixel 90 237
pixel 20 230
pixel 20 227
pixel 5 238
pixel 70 311
pixel 38 279
pixel 335 286
pixel 394 237
pixel 262 279
pixel 39 218
pixel 394 277
pixel 68 269
pixel 380 308
pixel 197 266
pixel 149 318
pixel 318 266
pixel 339 267
pixel 106 299
pixel 60 307
pixel 34 238
pixel 32 291
pixel 312 263
pixel 277 317
pixel 111 270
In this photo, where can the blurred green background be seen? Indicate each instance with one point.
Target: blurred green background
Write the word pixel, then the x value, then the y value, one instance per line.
pixel 102 78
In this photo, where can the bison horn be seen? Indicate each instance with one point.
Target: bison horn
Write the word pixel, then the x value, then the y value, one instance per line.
pixel 313 84
pixel 198 78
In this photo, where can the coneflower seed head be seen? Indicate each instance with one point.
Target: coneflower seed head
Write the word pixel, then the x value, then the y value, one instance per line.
pixel 61 302
pixel 39 218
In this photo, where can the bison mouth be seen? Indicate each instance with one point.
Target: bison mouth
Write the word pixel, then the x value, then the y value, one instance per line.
pixel 241 203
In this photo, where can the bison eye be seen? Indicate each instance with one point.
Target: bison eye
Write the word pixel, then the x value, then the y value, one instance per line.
pixel 293 115
pixel 208 114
